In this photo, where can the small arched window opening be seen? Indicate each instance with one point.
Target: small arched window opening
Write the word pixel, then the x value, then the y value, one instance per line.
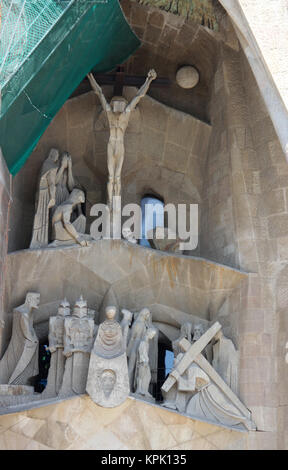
pixel 152 208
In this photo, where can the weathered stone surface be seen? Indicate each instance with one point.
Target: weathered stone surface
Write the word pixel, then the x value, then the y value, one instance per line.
pixel 79 423
pixel 197 11
pixel 19 364
pixel 240 182
pixel 112 262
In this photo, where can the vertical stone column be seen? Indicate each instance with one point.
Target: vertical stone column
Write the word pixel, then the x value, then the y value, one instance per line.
pixel 5 200
pixel 257 237
pixel 262 29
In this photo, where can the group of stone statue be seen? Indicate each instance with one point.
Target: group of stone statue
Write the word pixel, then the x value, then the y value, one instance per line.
pixel 70 343
pixel 113 359
pixel 202 389
pixel 58 219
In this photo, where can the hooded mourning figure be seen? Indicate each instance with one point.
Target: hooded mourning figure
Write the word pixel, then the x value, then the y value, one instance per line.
pixel 45 199
pixel 20 361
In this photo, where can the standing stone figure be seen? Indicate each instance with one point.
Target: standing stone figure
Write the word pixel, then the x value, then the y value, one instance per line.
pixel 78 341
pixel 45 199
pixel 118 113
pixel 64 181
pixel 125 324
pixel 55 185
pixel 225 360
pixel 200 391
pixel 20 361
pixel 185 332
pixel 108 382
pixel 64 232
pixel 56 347
pixel 143 372
pixel 138 331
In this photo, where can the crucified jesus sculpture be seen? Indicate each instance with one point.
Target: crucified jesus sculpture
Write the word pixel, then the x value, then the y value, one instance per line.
pixel 118 113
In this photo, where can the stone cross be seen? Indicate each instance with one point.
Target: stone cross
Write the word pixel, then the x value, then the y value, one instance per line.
pixel 193 354
pixel 119 79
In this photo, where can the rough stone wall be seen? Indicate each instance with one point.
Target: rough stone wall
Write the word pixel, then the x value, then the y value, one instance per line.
pixel 168 42
pixel 269 24
pixel 175 288
pixel 218 238
pixel 267 304
pixel 200 11
pixel 79 424
pixel 247 227
pixel 248 320
pixel 5 198
pixel 262 29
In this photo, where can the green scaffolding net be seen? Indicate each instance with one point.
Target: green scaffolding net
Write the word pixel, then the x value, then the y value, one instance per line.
pixel 46 49
pixel 23 25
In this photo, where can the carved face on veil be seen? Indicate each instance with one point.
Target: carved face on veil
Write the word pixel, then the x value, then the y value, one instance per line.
pixel 108 380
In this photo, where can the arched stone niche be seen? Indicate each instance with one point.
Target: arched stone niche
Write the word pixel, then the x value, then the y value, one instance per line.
pixel 165 151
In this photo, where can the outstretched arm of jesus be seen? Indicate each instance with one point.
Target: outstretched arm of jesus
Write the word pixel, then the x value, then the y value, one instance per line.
pixel 142 91
pixel 97 89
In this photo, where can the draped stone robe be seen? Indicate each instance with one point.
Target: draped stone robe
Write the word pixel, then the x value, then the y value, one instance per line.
pixel 20 361
pixel 78 341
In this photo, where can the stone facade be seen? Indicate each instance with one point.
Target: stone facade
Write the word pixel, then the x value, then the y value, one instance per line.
pixel 80 424
pixel 246 192
pixel 203 12
pixel 234 167
pixel 262 33
pixel 170 41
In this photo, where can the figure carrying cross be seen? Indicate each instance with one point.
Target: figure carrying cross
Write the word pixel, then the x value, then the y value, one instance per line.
pixel 199 391
pixel 118 113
